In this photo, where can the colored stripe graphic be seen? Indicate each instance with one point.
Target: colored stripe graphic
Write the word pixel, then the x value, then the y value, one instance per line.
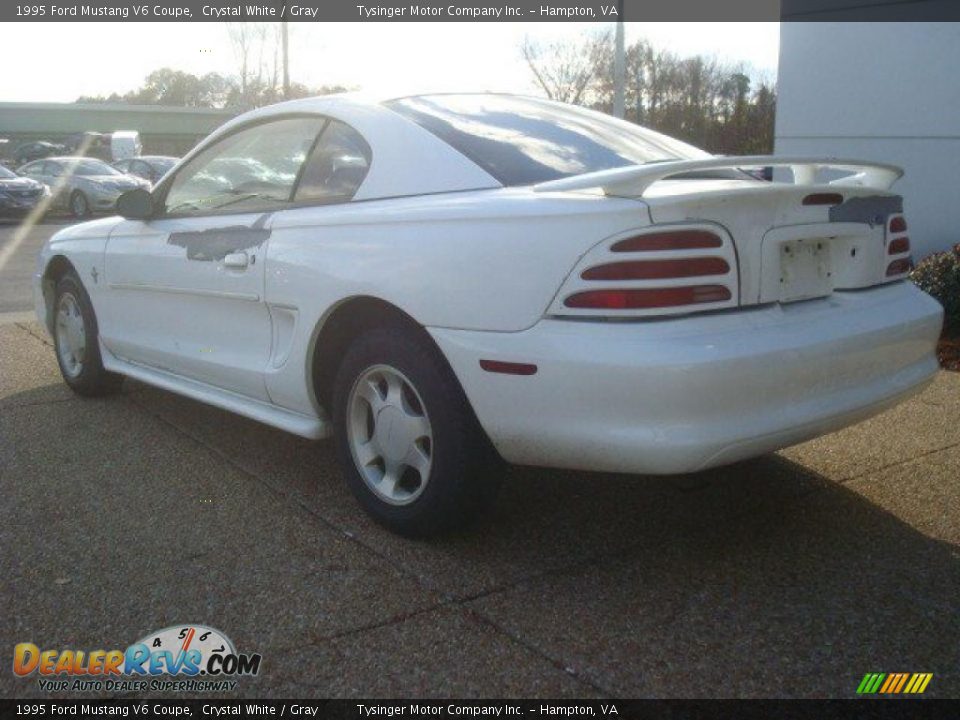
pixel 918 683
pixel 894 683
pixel 903 681
pixel 870 683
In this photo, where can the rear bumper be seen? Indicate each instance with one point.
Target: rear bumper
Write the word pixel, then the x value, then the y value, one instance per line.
pixel 674 396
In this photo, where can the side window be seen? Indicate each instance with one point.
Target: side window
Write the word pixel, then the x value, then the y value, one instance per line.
pixel 122 165
pixel 249 171
pixel 32 169
pixel 336 168
pixel 52 169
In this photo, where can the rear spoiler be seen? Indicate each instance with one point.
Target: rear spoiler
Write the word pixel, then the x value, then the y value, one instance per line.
pixel 633 181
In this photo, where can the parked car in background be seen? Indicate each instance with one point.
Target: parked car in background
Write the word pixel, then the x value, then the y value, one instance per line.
pixel 428 278
pixel 19 195
pixel 149 167
pixel 35 150
pixel 82 185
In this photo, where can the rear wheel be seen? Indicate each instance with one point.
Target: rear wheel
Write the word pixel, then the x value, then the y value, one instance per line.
pixel 408 443
pixel 76 342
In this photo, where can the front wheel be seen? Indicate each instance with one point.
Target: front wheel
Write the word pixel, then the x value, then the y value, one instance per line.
pixel 76 342
pixel 408 443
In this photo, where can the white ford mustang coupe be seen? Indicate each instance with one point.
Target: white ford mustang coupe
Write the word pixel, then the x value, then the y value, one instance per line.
pixel 437 280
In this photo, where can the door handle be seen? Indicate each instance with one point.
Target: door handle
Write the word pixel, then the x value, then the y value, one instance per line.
pixel 236 260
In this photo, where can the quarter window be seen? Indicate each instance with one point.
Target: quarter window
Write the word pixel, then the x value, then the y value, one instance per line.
pixel 337 166
pixel 249 171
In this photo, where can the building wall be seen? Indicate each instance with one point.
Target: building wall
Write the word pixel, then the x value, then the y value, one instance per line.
pixel 880 91
pixel 163 130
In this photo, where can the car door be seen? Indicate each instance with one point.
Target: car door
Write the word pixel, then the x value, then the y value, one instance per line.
pixel 185 289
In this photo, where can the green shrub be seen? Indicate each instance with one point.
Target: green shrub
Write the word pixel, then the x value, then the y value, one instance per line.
pixel 939 275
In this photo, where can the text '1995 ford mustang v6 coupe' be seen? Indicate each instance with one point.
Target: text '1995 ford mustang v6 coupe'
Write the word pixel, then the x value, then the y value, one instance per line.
pixel 437 280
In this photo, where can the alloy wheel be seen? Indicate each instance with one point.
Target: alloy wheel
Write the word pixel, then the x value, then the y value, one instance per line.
pixel 389 434
pixel 71 335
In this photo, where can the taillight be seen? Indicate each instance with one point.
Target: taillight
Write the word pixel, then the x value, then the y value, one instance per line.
pixel 674 240
pixel 899 246
pixel 899 267
pixel 648 298
pixel 655 272
pixel 658 269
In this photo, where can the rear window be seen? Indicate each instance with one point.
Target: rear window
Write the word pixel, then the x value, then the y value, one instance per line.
pixel 523 141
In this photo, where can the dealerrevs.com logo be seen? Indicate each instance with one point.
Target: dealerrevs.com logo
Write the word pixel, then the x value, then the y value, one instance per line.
pixel 189 657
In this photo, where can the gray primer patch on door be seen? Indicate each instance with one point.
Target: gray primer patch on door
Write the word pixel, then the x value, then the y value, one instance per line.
pixel 215 244
pixel 874 209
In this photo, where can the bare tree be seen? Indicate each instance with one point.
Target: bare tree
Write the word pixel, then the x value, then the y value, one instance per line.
pixel 254 44
pixel 565 70
pixel 708 103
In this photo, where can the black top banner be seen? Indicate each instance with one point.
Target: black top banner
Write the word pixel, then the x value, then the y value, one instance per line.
pixel 475 10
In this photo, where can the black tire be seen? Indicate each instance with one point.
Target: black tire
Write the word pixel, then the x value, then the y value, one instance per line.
pixel 458 486
pixel 91 380
pixel 79 205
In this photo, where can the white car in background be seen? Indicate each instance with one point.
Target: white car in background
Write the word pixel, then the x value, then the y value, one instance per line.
pixel 430 278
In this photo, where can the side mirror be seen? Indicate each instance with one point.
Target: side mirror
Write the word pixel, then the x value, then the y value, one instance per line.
pixel 136 204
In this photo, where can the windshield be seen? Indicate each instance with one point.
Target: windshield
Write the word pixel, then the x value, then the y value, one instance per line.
pixel 523 141
pixel 89 168
pixel 6 174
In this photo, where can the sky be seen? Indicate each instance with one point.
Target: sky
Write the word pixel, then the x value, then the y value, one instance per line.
pixel 382 57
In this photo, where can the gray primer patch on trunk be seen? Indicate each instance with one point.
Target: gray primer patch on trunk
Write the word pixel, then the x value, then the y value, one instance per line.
pixel 873 210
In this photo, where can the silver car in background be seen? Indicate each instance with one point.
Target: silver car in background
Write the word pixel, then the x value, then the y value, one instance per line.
pixel 82 185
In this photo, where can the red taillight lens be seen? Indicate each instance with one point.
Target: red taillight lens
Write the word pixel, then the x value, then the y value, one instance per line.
pixel 899 267
pixel 676 240
pixel 658 269
pixel 648 298
pixel 823 199
pixel 898 225
pixel 899 246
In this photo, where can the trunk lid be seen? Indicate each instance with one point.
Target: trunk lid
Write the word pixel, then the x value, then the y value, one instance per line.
pixel 788 250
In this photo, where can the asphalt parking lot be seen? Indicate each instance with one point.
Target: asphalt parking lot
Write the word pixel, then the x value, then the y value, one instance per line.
pixel 787 576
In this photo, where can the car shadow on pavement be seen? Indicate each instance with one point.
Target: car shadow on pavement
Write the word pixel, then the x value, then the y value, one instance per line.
pixel 759 579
